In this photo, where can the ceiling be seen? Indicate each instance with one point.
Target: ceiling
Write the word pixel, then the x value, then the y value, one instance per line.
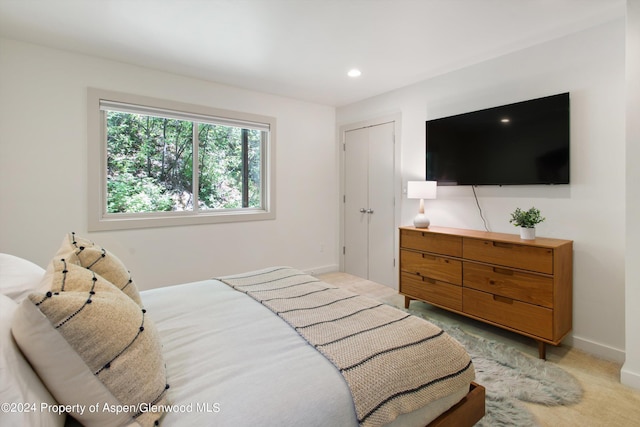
pixel 301 48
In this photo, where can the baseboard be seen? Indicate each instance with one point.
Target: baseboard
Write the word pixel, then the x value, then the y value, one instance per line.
pixel 629 378
pixel 321 270
pixel 597 349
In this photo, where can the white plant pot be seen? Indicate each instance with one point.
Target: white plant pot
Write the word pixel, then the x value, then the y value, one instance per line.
pixel 527 233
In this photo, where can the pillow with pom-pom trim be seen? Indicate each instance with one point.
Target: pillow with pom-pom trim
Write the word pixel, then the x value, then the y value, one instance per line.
pixel 93 345
pixel 81 251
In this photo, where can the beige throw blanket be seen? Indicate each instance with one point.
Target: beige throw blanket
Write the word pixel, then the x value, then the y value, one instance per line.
pixel 393 362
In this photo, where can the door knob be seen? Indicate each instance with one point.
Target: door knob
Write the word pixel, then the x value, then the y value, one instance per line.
pixel 369 211
pixel 363 210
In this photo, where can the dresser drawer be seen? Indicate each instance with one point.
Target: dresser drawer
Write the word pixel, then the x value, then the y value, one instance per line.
pixel 431 242
pixel 433 266
pixel 526 257
pixel 431 290
pixel 531 288
pixel 514 314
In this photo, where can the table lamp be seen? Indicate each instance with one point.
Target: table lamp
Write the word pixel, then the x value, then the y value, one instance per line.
pixel 421 190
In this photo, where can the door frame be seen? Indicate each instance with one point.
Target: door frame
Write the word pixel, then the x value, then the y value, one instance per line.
pixel 397 178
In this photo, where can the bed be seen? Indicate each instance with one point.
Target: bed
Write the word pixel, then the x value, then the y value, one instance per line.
pixel 80 344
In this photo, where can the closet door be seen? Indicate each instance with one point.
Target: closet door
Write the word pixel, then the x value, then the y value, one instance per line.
pixel 381 201
pixel 369 203
pixel 356 202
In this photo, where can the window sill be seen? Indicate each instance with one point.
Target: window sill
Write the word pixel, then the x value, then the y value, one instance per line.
pixel 173 219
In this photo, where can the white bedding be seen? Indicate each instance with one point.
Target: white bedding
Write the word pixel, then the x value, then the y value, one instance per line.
pixel 232 362
pixel 227 351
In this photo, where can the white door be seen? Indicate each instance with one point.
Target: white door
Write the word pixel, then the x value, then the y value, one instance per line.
pixel 369 221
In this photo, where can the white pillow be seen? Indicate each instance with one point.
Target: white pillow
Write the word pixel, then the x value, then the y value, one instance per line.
pixel 18 277
pixel 19 384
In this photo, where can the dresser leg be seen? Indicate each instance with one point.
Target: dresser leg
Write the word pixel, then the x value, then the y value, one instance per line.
pixel 407 300
pixel 542 350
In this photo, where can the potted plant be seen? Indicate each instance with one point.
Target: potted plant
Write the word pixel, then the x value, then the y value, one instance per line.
pixel 527 221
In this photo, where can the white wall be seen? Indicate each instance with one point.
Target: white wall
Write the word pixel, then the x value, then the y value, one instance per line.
pixel 630 373
pixel 589 211
pixel 43 173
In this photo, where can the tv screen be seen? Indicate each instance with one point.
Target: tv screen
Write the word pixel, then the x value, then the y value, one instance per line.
pixel 516 144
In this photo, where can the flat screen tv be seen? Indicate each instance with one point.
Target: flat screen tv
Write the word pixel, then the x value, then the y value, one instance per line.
pixel 515 144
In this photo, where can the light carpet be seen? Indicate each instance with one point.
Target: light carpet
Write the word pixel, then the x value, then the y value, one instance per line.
pixel 510 376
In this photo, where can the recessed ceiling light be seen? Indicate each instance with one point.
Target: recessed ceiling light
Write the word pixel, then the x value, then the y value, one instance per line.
pixel 354 73
pixel 505 120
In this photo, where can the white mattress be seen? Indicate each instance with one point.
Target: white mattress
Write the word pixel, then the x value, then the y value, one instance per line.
pixel 232 362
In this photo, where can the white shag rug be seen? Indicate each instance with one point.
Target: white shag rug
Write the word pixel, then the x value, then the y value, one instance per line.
pixel 510 376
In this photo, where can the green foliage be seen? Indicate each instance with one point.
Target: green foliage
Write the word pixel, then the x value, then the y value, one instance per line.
pixel 130 194
pixel 150 164
pixel 526 219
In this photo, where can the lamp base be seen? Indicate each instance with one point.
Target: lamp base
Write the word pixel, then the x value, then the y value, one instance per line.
pixel 421 221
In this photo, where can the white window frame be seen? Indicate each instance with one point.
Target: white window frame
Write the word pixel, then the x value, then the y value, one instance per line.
pixel 100 219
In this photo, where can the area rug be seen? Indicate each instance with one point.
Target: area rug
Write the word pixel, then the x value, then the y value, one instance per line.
pixel 511 377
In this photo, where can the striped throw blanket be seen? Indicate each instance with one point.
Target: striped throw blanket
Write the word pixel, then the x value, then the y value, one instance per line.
pixel 393 362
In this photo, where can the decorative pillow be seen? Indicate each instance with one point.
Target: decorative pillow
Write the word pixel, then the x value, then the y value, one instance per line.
pixel 94 348
pixel 84 252
pixel 19 384
pixel 18 277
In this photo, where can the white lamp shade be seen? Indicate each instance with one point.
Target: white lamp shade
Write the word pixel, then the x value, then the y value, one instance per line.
pixel 421 189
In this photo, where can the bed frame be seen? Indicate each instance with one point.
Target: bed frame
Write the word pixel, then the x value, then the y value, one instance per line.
pixel 465 413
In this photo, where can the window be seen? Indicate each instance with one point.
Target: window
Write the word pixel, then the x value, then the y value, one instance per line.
pixel 160 163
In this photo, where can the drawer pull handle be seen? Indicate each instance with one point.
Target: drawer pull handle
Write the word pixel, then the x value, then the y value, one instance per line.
pixel 502 299
pixel 504 271
pixel 429 280
pixel 502 245
pixel 430 257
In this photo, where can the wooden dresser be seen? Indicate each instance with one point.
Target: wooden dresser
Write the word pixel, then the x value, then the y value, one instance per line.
pixel 524 286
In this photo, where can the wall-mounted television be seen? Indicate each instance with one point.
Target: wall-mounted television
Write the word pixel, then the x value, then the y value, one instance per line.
pixel 516 144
